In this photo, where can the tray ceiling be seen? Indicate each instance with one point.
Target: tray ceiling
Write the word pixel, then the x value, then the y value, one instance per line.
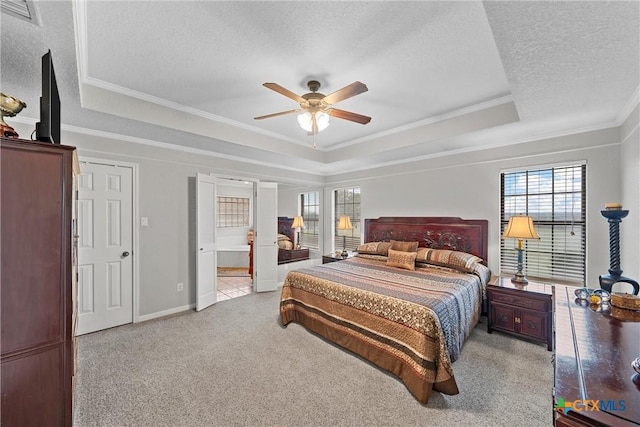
pixel 442 76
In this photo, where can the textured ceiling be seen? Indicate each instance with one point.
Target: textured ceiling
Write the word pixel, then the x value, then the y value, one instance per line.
pixel 442 76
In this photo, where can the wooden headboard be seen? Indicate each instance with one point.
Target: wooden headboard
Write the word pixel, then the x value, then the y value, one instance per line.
pixel 284 227
pixel 465 235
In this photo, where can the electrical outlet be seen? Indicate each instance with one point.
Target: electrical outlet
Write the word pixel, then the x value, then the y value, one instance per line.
pixel 180 287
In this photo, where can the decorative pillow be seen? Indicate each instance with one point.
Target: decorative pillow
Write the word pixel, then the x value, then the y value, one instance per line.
pixel 402 259
pixel 285 244
pixel 374 248
pixel 459 260
pixel 283 237
pixel 397 245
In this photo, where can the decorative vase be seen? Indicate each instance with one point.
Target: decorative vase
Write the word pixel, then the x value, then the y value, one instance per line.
pixel 9 107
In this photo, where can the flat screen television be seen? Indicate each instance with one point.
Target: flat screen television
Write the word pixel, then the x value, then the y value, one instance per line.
pixel 48 128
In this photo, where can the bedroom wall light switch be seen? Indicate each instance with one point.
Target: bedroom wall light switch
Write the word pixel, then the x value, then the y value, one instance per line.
pixel 144 221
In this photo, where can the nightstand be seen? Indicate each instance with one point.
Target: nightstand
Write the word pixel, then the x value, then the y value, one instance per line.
pixel 525 311
pixel 333 258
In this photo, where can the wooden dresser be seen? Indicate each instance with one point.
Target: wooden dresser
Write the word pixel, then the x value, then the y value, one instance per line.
pixel 38 291
pixel 593 355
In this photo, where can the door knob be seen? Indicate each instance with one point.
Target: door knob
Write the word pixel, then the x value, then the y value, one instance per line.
pixel 125 254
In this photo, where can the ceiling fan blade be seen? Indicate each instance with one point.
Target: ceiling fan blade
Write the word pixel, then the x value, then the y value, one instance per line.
pixel 286 92
pixel 281 113
pixel 348 115
pixel 353 89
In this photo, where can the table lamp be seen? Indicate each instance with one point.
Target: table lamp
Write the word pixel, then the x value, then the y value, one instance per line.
pixel 344 224
pixel 298 223
pixel 520 227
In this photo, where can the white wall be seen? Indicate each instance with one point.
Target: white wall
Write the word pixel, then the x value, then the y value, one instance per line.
pixel 468 186
pixel 465 185
pixel 166 193
pixel 630 196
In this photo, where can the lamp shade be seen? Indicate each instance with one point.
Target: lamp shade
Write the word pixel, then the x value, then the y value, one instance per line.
pixel 298 222
pixel 345 223
pixel 520 227
pixel 305 120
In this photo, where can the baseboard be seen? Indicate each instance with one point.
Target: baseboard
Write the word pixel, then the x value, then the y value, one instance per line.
pixel 165 313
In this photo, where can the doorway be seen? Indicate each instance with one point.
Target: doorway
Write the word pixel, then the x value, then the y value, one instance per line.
pixel 210 240
pixel 234 227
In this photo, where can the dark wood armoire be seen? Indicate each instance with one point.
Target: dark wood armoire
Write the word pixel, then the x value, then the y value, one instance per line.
pixel 38 283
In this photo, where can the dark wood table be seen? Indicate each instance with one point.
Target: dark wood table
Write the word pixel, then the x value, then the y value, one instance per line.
pixel 525 311
pixel 593 355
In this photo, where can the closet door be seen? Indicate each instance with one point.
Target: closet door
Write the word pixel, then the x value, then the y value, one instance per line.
pixel 265 242
pixel 105 245
pixel 206 258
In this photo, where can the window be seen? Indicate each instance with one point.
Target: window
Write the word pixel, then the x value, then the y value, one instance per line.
pixel 347 202
pixel 310 208
pixel 555 198
pixel 233 212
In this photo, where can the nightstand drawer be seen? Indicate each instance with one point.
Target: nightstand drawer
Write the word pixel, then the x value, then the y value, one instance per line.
pixel 521 301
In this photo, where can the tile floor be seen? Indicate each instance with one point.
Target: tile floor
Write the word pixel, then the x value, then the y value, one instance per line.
pixel 232 287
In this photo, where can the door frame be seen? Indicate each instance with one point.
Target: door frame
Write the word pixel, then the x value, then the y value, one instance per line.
pixel 135 279
pixel 254 214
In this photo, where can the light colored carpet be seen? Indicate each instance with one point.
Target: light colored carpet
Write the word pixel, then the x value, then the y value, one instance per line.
pixel 234 365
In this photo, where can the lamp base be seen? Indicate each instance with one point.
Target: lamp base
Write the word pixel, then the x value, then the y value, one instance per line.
pixel 519 279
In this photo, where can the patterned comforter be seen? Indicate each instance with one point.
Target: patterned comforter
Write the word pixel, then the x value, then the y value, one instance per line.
pixel 410 323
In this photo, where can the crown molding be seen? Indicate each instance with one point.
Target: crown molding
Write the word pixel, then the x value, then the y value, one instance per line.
pixel 428 121
pixel 629 106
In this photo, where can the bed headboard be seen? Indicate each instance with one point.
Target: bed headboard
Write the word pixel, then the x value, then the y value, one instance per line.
pixel 465 235
pixel 284 227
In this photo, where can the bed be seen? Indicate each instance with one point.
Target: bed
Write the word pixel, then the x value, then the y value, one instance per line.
pixel 286 238
pixel 407 312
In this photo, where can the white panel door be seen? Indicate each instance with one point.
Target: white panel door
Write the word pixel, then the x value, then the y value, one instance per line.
pixel 206 259
pixel 266 239
pixel 105 245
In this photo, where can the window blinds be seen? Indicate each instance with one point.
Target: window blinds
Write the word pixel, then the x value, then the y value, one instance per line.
pixel 310 203
pixel 347 202
pixel 555 198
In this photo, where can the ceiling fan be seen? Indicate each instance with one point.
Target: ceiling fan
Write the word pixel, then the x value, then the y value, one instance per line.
pixel 317 107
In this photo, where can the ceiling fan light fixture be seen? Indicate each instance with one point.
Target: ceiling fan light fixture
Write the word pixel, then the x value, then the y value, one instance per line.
pixel 323 121
pixel 305 120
